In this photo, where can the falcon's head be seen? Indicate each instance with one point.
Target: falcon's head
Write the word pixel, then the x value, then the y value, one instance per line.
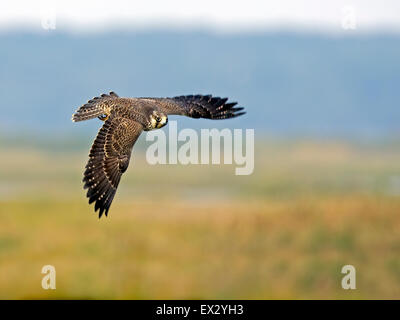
pixel 157 120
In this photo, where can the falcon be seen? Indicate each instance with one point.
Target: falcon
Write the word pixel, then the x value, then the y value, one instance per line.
pixel 124 120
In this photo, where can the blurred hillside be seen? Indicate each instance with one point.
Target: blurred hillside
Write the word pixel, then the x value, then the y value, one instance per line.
pixel 290 84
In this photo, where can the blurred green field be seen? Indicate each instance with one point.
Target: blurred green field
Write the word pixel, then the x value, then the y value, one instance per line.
pixel 197 232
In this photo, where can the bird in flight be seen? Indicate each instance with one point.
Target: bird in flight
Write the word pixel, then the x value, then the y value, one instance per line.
pixel 124 120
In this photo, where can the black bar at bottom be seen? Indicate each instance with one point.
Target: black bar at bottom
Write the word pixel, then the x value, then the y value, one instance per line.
pixel 199 309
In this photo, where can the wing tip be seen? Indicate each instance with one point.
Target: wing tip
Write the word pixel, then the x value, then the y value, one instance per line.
pixel 103 209
pixel 211 107
pixel 240 114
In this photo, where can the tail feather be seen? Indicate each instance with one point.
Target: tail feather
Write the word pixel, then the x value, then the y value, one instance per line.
pixel 94 108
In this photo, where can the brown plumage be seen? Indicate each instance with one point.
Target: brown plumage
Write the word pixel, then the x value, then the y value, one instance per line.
pixel 124 120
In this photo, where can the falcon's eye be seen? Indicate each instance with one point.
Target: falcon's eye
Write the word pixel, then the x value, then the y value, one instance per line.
pixel 158 119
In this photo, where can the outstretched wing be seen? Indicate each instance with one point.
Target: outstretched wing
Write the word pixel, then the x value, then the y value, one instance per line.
pixel 108 160
pixel 198 106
